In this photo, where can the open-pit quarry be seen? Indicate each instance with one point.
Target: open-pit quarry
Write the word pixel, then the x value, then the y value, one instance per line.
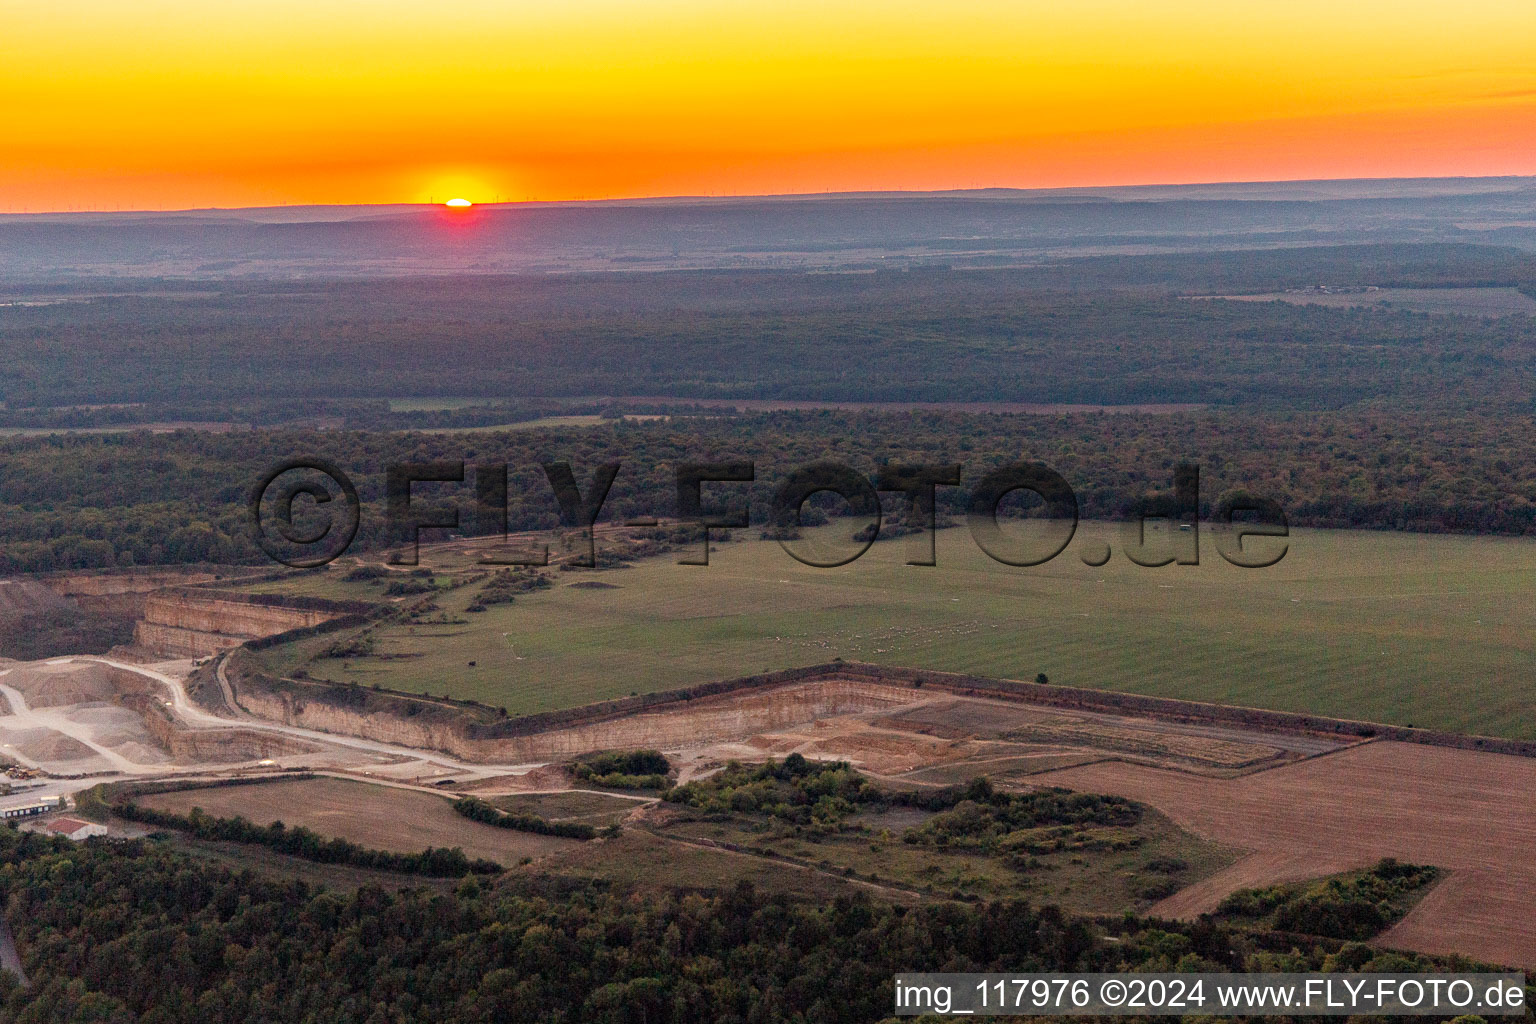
pixel 162 613
pixel 1296 796
pixel 196 621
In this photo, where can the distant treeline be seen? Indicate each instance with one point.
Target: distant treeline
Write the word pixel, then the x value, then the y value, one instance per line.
pixel 1108 330
pixel 103 500
pixel 349 414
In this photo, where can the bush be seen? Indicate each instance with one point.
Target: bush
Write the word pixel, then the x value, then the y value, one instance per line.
pixel 794 790
pixel 359 646
pixel 1356 906
pixel 630 762
pixel 478 810
pixel 503 587
pixel 1156 888
pixel 634 769
pixel 1043 821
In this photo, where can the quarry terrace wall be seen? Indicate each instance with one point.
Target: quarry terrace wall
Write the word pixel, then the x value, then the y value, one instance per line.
pixel 737 708
pixel 723 718
pixel 196 621
pixel 122 591
pixel 211 746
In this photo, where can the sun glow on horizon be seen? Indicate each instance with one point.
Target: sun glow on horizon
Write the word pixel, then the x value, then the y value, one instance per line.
pixel 458 204
pixel 176 105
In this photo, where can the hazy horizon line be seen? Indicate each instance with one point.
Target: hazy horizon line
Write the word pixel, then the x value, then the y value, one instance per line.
pixel 684 198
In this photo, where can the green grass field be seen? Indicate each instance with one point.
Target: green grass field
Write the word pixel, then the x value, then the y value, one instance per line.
pixel 329 583
pixel 1399 628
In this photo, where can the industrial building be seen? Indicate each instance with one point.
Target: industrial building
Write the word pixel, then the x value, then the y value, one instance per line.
pixel 74 828
pixel 32 808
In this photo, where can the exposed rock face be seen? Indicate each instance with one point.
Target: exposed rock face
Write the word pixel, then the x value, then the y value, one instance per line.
pixel 212 746
pixel 120 593
pixel 710 719
pixel 192 622
pixel 173 642
pixel 83 716
pixel 735 709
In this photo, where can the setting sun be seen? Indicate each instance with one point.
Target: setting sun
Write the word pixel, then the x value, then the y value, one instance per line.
pixel 598 99
pixel 459 204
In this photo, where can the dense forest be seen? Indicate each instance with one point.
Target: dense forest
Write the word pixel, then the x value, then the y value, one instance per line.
pixel 1100 331
pixel 135 932
pixel 125 499
pixel 1373 417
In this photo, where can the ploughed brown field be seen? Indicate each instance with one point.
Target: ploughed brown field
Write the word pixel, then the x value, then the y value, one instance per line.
pixel 1465 811
pixel 380 817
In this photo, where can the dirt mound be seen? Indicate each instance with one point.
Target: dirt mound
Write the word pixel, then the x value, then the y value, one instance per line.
pixel 881 751
pixel 24 597
pixel 120 730
pixel 45 745
pixel 47 685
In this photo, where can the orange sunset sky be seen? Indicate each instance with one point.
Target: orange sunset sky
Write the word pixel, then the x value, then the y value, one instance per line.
pixel 174 104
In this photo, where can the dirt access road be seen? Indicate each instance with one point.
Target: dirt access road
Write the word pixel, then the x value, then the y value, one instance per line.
pixel 1462 810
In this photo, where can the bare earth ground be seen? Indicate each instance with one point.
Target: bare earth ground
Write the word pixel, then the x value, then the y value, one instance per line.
pixel 931 737
pixel 1464 811
pixel 1305 806
pixel 375 816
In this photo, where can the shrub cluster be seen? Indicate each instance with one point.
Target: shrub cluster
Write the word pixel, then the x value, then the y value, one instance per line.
pixel 632 769
pixel 403 588
pixel 504 586
pixel 795 790
pixel 1356 906
pixel 1043 821
pixel 479 810
pixel 359 645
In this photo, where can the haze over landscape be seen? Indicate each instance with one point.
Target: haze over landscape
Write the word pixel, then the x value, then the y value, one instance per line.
pixel 665 512
pixel 980 229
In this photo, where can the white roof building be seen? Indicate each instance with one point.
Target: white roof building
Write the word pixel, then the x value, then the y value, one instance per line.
pixel 74 828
